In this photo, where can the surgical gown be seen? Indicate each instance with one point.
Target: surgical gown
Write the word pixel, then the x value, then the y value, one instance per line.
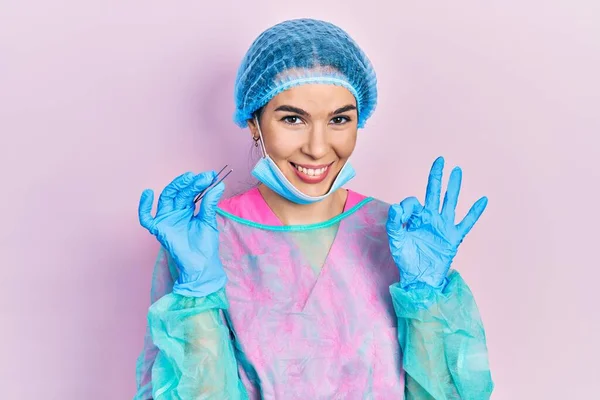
pixel 311 312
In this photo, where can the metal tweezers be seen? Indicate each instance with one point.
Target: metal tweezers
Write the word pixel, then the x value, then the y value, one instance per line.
pixel 214 183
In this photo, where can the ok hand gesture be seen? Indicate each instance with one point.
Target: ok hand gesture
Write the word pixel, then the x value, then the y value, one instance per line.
pixel 423 239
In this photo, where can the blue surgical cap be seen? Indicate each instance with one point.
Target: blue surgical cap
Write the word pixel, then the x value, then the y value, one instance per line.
pixel 303 51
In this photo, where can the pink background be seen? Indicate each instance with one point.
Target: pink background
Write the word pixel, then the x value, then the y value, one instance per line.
pixel 100 99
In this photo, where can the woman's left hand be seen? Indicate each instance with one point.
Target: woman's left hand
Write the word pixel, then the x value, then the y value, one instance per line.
pixel 423 240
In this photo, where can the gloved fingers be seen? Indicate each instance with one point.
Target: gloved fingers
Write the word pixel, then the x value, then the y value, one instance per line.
pixel 451 197
pixel 208 207
pixel 185 197
pixel 165 200
pixel 464 227
pixel 410 206
pixel 145 210
pixel 434 185
pixel 399 214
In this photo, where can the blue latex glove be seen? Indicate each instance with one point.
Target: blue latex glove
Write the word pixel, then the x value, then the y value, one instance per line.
pixel 423 240
pixel 192 240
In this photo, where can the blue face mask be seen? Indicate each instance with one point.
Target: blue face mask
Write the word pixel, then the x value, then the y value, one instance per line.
pixel 267 172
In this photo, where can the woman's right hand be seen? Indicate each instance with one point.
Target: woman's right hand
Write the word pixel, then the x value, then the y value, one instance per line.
pixel 192 240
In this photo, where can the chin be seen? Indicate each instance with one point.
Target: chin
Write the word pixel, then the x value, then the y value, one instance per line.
pixel 313 192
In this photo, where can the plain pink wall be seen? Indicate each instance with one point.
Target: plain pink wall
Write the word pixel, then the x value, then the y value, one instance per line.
pixel 101 99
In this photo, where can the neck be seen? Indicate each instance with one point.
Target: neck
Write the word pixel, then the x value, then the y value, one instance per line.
pixel 301 214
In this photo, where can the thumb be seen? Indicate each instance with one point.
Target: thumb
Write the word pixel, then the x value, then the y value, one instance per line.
pixel 208 207
pixel 410 206
pixel 394 221
pixel 399 215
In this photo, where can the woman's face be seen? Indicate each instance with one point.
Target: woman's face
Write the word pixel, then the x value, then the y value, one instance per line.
pixel 310 132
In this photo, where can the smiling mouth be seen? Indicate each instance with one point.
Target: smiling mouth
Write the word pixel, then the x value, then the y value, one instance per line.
pixel 311 173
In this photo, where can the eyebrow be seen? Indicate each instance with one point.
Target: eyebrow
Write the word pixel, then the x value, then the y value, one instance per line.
pixel 293 109
pixel 348 107
pixel 300 111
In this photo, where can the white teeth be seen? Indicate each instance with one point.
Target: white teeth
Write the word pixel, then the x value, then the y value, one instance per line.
pixel 310 171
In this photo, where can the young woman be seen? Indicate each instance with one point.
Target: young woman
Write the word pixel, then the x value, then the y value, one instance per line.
pixel 300 288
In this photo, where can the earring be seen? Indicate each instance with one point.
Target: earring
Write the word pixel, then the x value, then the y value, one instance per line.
pixel 256 139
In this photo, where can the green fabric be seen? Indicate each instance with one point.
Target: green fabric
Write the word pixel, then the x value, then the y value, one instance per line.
pixel 443 342
pixel 196 358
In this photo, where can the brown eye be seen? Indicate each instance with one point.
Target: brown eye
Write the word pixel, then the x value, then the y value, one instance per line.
pixel 291 119
pixel 340 120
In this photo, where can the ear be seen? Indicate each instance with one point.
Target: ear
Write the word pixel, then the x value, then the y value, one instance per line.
pixel 253 128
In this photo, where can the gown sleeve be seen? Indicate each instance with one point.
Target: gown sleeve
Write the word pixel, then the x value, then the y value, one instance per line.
pixel 443 342
pixel 188 352
pixel 162 283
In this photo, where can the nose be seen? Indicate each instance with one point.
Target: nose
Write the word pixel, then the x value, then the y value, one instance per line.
pixel 317 145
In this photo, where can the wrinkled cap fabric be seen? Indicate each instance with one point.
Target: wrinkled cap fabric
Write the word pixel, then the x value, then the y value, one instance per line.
pixel 303 51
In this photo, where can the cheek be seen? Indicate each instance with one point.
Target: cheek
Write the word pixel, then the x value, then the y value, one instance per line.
pixel 281 144
pixel 344 145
